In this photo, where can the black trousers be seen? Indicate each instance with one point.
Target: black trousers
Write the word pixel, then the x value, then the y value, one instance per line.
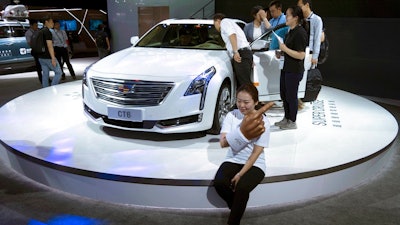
pixel 289 86
pixel 243 70
pixel 236 200
pixel 62 56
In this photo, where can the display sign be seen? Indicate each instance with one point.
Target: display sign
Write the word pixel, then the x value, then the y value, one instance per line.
pixel 135 115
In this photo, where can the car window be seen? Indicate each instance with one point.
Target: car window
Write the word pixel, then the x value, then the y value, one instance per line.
pixel 5 32
pixel 12 31
pixel 194 36
pixel 18 31
pixel 269 41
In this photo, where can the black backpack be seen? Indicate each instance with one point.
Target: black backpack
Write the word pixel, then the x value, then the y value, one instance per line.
pixel 324 49
pixel 37 42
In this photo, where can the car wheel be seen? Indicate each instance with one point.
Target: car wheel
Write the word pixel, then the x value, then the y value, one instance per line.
pixel 222 107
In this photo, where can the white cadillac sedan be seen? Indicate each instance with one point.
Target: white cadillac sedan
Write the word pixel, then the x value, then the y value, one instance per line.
pixel 176 78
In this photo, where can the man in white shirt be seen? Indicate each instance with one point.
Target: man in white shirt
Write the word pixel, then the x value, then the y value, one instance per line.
pixel 237 46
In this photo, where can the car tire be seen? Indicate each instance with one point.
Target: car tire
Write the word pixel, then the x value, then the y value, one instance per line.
pixel 222 107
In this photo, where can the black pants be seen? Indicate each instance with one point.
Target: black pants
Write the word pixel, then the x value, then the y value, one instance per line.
pixel 236 200
pixel 289 86
pixel 62 56
pixel 243 69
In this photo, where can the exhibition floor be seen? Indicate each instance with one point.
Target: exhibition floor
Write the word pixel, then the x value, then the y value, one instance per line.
pixel 341 143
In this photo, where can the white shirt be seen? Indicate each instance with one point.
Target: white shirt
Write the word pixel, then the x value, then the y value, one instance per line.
pixel 232 121
pixel 256 33
pixel 229 27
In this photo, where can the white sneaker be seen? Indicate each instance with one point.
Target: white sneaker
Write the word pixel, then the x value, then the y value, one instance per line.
pixel 282 122
pixel 289 125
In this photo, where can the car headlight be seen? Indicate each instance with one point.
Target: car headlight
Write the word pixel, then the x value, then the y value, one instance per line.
pixel 199 85
pixel 84 77
pixel 84 80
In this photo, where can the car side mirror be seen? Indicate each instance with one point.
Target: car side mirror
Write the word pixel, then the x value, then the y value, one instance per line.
pixel 134 40
pixel 260 45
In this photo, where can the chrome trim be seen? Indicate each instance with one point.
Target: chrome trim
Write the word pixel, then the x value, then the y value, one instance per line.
pixel 131 92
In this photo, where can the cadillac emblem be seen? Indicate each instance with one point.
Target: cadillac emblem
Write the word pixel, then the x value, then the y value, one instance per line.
pixel 126 88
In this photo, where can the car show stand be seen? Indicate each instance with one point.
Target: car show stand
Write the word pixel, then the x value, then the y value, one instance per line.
pixel 342 140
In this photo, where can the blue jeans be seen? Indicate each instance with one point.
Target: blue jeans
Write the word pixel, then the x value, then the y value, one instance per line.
pixel 47 66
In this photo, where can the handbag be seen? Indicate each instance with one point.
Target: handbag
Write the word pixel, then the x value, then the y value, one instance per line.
pixel 313 85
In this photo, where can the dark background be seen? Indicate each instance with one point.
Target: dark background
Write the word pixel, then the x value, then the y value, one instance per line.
pixel 85 4
pixel 363 36
pixel 364 42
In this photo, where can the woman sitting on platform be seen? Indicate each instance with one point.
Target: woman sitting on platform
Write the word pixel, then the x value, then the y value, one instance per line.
pixel 244 166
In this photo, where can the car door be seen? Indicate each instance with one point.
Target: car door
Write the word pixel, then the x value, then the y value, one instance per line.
pixel 12 42
pixel 267 67
pixel 20 48
pixel 14 49
pixel 6 44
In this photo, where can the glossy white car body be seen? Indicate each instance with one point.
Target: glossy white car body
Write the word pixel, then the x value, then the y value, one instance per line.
pixel 154 88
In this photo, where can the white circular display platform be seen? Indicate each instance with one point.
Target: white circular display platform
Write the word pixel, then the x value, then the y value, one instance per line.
pixel 341 140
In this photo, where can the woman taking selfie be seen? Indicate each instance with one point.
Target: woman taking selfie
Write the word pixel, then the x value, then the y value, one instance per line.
pixel 243 168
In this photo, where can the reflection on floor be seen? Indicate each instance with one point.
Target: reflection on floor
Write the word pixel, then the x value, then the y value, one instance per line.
pixel 341 140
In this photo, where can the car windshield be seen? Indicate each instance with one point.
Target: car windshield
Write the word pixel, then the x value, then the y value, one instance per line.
pixel 193 36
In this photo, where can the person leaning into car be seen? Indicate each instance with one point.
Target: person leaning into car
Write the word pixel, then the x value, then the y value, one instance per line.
pixel 237 46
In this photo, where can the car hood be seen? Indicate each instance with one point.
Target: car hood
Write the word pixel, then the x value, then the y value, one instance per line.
pixel 159 62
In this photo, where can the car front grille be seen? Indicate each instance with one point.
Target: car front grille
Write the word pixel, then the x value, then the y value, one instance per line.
pixel 131 92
